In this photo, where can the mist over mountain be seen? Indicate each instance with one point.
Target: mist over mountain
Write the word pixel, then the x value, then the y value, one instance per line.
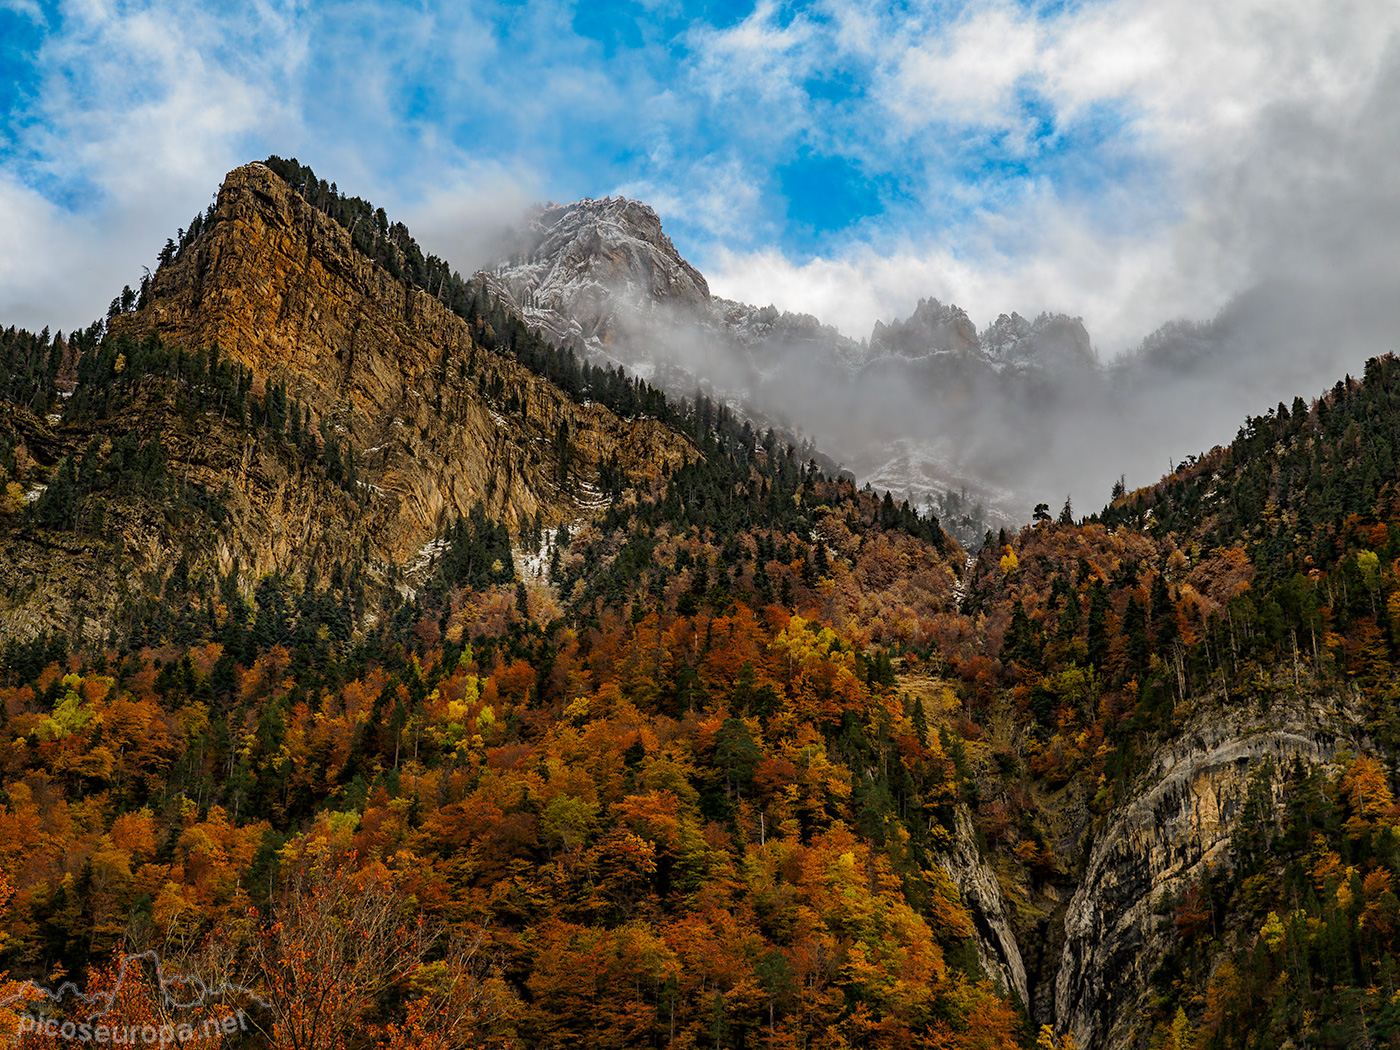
pixel 948 414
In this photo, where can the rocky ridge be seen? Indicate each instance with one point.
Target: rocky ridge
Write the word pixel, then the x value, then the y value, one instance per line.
pixel 436 422
pixel 601 277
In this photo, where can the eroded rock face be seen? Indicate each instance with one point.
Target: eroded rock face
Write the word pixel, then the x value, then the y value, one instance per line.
pixel 1157 846
pixel 436 422
pixel 997 949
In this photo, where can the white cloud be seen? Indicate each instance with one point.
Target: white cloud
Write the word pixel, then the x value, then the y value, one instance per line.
pixel 463 216
pixel 718 196
pixel 29 9
pixel 1221 111
pixel 969 75
pixel 1112 285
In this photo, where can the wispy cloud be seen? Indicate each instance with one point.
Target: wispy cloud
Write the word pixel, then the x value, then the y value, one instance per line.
pixel 135 115
pixel 29 9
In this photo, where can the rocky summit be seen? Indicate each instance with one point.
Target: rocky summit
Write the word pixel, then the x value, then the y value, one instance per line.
pixel 579 272
pixel 279 288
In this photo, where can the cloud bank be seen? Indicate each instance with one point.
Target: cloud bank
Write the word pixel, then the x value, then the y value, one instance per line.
pixel 1148 160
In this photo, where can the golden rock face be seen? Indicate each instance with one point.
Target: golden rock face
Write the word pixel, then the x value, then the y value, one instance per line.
pixel 435 421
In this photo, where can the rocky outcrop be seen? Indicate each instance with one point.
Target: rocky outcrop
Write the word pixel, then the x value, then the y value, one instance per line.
pixel 997 950
pixel 1051 341
pixel 436 422
pixel 1081 952
pixel 580 273
pixel 931 328
pixel 1154 848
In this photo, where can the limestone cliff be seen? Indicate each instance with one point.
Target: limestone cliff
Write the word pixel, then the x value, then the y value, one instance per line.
pixel 270 512
pixel 997 950
pixel 435 421
pixel 1152 849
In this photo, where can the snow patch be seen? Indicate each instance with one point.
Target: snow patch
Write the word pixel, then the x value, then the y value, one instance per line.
pixel 533 568
pixel 424 557
pixel 592 497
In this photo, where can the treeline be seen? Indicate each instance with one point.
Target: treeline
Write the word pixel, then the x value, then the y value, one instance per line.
pixel 500 329
pixel 31 365
pixel 1290 479
pixel 387 243
pixel 755 505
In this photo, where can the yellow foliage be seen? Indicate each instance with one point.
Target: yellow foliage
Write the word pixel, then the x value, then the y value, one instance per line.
pixel 1009 563
pixel 174 914
pixel 70 713
pixel 1326 863
pixel 946 909
pixel 1344 894
pixel 12 499
pixel 1183 1035
pixel 1047 1041
pixel 1367 788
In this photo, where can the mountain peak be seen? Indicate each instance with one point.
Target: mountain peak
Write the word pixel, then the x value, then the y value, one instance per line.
pixel 436 419
pixel 931 327
pixel 1051 340
pixel 572 267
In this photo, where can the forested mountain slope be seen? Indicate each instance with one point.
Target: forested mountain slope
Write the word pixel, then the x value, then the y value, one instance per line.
pixel 645 765
pixel 367 652
pixel 1203 679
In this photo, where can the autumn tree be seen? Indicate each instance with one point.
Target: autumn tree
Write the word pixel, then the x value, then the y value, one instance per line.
pixel 336 941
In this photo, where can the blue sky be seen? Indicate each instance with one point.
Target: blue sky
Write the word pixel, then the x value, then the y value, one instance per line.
pixel 832 157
